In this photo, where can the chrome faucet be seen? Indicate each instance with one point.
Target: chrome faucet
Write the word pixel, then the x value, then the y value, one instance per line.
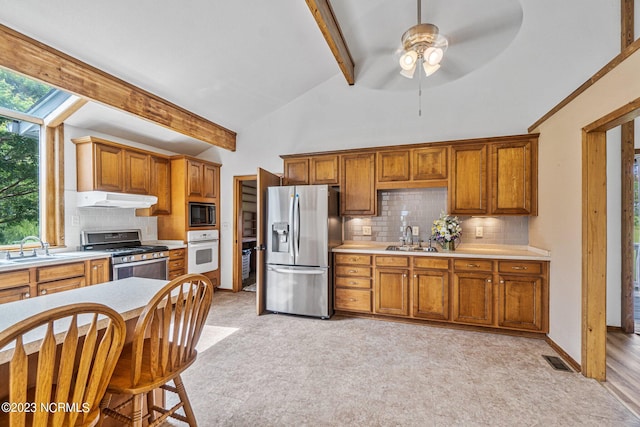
pixel 408 233
pixel 43 245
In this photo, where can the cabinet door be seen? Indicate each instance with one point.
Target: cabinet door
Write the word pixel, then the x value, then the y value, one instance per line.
pixel 393 166
pixel 60 285
pixel 358 178
pixel 108 168
pixel 473 298
pixel 98 271
pixel 16 293
pixel 392 292
pixel 431 294
pixel 324 170
pixel 160 185
pixel 429 164
pixel 194 179
pixel 136 172
pixel 468 181
pixel 520 302
pixel 296 171
pixel 210 181
pixel 514 178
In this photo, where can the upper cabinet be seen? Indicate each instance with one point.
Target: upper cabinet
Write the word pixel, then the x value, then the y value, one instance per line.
pixel 412 168
pixel 136 172
pixel 160 184
pixel 315 170
pixel 202 179
pixel 358 195
pixel 296 171
pixel 100 166
pixel 495 178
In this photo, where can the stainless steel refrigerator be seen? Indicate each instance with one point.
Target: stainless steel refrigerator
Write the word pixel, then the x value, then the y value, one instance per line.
pixel 303 225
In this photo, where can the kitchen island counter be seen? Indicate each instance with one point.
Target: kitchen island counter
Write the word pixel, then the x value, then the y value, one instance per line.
pixel 516 252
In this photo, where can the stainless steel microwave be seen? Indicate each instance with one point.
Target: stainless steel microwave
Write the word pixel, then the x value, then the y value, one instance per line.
pixel 202 214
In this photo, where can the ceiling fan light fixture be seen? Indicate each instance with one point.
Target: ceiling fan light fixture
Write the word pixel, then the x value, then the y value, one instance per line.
pixel 408 60
pixel 430 69
pixel 408 73
pixel 433 55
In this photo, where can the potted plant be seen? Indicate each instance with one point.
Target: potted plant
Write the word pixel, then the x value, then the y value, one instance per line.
pixel 445 230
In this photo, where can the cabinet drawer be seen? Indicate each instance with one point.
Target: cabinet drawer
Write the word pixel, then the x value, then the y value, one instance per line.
pixel 353 259
pixel 392 261
pixel 62 271
pixel 13 278
pixel 430 262
pixel 343 270
pixel 472 265
pixel 353 300
pixel 60 285
pixel 177 264
pixel 175 273
pixel 353 282
pixel 176 253
pixel 520 267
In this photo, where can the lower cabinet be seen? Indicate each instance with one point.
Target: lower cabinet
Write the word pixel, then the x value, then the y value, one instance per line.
pixel 505 294
pixel 14 286
pixel 61 277
pixel 98 271
pixel 177 263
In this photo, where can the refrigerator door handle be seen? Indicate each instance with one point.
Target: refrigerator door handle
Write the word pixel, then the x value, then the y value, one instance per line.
pixel 296 227
pixel 296 271
pixel 292 228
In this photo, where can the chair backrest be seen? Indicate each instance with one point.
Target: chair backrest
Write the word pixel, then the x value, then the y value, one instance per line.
pixel 74 362
pixel 170 326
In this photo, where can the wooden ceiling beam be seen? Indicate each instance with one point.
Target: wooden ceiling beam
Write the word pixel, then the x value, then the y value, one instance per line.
pixel 324 16
pixel 39 61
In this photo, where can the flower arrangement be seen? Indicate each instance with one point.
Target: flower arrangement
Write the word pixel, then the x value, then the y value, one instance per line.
pixel 446 228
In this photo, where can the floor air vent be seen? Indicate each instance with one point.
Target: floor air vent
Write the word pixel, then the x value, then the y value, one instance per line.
pixel 557 363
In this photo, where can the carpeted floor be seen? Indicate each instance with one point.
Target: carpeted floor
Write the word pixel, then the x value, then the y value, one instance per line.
pixel 279 370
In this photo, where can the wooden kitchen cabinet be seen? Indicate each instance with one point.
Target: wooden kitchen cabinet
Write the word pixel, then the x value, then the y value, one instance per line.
pixel 357 176
pixel 430 288
pixel 136 172
pixel 202 179
pixel 314 170
pixel 160 185
pixel 392 285
pixel 430 165
pixel 522 295
pixel 468 180
pixel 99 271
pixel 14 286
pixel 393 166
pixel 412 168
pixel 296 171
pixel 177 263
pixel 352 283
pixel 514 176
pixel 472 291
pixel 48 288
pixel 100 166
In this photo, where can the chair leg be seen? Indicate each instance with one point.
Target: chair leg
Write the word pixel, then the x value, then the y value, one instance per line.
pixel 151 402
pixel 136 412
pixel 104 403
pixel 188 410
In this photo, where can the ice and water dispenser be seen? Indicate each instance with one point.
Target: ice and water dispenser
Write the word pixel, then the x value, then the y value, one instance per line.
pixel 280 238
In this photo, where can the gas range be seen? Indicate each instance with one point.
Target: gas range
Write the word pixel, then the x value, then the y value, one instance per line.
pixel 124 246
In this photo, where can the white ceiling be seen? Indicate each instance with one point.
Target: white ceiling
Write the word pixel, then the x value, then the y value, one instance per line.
pixel 236 62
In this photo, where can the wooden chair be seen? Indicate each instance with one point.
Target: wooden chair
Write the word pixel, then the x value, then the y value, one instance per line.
pixel 163 346
pixel 72 366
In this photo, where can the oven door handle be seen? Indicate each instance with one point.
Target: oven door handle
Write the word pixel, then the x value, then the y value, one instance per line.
pixel 202 243
pixel 129 264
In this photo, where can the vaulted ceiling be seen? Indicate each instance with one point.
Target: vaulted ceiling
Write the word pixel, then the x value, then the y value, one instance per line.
pixel 237 62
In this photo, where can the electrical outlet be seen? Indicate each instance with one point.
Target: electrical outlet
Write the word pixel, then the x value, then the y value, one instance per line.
pixel 479 232
pixel 415 230
pixel 75 220
pixel 366 230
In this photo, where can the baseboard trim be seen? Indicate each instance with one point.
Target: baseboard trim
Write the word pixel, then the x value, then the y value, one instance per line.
pixel 614 329
pixel 575 365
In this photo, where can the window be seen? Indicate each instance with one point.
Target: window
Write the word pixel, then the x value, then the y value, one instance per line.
pixel 24 104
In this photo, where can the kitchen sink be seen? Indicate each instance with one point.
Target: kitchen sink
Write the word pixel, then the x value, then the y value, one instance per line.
pixel 31 259
pixel 410 248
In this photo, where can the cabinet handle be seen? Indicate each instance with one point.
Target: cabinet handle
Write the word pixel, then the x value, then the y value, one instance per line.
pixel 518 267
pixel 488 280
pixel 352 282
pixel 354 259
pixel 43 292
pixel 27 295
pixel 95 267
pixel 502 281
pixel 415 276
pixel 473 265
pixel 353 271
pixel 352 299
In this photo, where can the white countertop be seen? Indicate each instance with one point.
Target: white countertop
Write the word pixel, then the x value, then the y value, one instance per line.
pixel 462 251
pixel 126 296
pixel 59 257
pixel 171 244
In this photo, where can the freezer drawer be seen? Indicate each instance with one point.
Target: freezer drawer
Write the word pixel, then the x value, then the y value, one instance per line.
pixel 298 290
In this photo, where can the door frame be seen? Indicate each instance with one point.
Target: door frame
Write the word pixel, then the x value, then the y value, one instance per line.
pixel 594 237
pixel 237 226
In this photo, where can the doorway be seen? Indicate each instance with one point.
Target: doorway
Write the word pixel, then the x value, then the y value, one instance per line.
pixel 245 226
pixel 636 242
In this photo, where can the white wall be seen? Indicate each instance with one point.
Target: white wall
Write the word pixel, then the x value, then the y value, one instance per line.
pixel 559 224
pixel 614 226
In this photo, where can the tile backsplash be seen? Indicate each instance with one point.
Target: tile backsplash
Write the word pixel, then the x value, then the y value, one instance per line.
pixel 421 207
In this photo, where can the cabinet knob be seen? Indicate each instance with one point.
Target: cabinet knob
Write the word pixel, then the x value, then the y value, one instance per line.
pixel 473 265
pixel 95 267
pixel 502 281
pixel 353 271
pixel 488 280
pixel 27 295
pixel 415 276
pixel 43 292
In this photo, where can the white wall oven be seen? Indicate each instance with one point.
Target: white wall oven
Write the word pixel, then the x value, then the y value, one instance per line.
pixel 129 257
pixel 202 251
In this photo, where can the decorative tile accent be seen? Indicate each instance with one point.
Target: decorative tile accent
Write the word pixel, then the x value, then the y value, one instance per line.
pixel 420 207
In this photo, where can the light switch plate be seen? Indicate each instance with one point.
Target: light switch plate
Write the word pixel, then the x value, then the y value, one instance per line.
pixel 479 231
pixel 415 230
pixel 366 230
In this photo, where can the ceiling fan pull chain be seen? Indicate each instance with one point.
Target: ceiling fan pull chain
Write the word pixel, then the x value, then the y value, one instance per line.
pixel 419 94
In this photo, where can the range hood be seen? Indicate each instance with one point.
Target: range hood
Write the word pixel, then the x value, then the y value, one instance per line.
pixel 105 199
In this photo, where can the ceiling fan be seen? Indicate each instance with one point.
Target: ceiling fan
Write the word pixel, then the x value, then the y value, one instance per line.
pixel 422 45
